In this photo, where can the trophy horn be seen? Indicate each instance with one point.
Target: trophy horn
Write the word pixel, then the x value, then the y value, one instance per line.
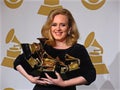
pixel 91 41
pixel 11 37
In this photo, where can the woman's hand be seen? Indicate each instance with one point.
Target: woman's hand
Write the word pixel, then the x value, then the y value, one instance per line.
pixel 33 79
pixel 58 81
pixel 37 80
pixel 64 83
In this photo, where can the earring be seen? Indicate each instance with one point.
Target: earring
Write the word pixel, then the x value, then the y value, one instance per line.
pixel 69 32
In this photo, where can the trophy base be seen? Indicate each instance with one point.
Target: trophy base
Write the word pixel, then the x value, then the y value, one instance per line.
pixel 101 69
pixel 8 62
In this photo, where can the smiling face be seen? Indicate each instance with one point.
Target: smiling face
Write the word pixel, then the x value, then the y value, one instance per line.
pixel 59 28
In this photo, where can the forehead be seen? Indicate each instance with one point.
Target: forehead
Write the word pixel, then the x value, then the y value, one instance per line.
pixel 60 17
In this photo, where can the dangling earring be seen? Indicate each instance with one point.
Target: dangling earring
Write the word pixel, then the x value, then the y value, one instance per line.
pixel 69 32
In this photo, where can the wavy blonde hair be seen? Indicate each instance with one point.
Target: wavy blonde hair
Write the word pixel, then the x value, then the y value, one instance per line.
pixel 73 35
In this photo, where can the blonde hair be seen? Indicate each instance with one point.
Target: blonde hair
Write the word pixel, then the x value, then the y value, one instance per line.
pixel 73 35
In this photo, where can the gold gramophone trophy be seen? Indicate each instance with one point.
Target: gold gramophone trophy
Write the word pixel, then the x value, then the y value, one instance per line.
pixel 42 62
pixel 95 51
pixel 13 51
pixel 48 6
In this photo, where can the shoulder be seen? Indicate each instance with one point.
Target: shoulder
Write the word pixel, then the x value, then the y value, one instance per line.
pixel 79 49
pixel 78 46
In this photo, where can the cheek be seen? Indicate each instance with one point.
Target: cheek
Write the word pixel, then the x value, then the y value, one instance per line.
pixel 66 31
pixel 52 33
pixel 52 29
pixel 65 34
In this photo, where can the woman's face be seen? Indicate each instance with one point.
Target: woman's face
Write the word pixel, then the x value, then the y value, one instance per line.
pixel 59 28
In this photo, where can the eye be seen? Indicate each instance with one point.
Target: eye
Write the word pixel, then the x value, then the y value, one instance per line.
pixel 63 24
pixel 53 24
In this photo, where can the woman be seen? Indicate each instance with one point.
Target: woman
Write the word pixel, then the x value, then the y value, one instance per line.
pixel 61 45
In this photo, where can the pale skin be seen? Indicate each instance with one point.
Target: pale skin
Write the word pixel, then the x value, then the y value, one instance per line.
pixel 59 30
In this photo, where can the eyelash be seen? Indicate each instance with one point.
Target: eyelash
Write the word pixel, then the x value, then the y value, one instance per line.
pixel 56 25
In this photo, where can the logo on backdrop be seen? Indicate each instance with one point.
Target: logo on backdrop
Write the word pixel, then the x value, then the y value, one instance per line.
pixel 8 89
pixel 52 4
pixel 13 51
pixel 13 3
pixel 93 4
pixel 48 6
pixel 95 51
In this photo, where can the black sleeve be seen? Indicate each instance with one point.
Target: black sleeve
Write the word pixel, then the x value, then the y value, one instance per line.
pixel 21 60
pixel 87 69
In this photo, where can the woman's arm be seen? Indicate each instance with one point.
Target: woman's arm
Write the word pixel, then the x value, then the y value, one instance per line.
pixel 26 75
pixel 21 65
pixel 75 81
pixel 64 83
pixel 34 80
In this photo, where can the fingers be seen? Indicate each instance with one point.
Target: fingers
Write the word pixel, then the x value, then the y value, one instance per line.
pixel 57 74
pixel 37 77
pixel 48 81
pixel 44 81
pixel 48 76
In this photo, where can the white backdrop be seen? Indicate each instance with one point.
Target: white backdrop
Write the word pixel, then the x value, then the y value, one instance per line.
pixel 26 23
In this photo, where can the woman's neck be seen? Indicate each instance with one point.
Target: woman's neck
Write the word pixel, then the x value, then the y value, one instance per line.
pixel 61 45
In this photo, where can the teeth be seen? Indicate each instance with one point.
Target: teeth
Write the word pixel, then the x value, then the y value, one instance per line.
pixel 58 33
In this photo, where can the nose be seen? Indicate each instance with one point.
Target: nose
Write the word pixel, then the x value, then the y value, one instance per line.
pixel 58 27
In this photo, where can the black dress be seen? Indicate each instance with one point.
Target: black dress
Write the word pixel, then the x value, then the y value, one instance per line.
pixel 86 68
